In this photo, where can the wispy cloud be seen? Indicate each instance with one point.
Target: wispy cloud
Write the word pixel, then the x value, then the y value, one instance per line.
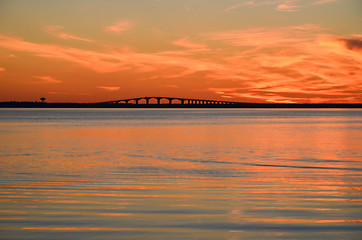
pixel 118 27
pixel 184 42
pixel 48 79
pixel 171 86
pixel 59 93
pixel 109 88
pixel 113 60
pixel 280 5
pixel 288 64
pixel 57 32
pixel 291 64
pixel 319 2
pixel 288 7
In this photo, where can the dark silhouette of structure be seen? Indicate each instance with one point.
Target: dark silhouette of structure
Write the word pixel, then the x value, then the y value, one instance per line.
pixel 171 100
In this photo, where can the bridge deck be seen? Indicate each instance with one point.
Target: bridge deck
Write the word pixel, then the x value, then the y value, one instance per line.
pixel 171 100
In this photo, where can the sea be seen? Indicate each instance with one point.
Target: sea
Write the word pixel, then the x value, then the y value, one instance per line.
pixel 208 174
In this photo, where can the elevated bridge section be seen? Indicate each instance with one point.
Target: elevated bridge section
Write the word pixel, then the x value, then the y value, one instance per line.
pixel 169 100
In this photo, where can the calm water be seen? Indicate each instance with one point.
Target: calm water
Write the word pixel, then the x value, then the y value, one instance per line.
pixel 180 174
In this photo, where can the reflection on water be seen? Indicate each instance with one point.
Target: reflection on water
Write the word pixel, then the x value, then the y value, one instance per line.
pixel 180 174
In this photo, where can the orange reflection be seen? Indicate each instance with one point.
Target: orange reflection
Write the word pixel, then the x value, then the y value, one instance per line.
pixel 116 214
pixel 179 172
pixel 290 220
pixel 81 229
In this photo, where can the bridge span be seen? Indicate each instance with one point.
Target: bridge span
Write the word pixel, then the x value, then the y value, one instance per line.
pixel 171 100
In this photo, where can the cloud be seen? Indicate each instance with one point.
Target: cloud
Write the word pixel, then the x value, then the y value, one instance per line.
pixel 352 43
pixel 322 2
pixel 2 69
pixel 109 88
pixel 287 7
pixel 115 59
pixel 61 93
pixel 295 64
pixel 308 27
pixel 263 37
pixel 118 27
pixel 287 64
pixel 99 62
pixel 171 86
pixel 48 79
pixel 280 5
pixel 56 31
pixel 184 42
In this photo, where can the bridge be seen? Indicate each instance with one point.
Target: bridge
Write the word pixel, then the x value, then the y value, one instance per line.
pixel 169 100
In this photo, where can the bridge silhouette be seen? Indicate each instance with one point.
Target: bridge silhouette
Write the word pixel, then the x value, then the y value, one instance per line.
pixel 171 100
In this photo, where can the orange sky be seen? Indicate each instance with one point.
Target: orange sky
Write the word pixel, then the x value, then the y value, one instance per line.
pixel 239 50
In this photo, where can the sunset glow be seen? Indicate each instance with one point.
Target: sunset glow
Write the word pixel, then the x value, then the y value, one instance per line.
pixel 287 51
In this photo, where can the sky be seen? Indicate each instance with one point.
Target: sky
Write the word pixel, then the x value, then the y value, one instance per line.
pixel 279 51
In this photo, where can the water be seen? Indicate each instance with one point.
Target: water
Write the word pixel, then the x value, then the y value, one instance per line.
pixel 180 174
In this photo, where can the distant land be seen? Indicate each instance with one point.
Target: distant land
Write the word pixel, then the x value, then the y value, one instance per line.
pixel 14 104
